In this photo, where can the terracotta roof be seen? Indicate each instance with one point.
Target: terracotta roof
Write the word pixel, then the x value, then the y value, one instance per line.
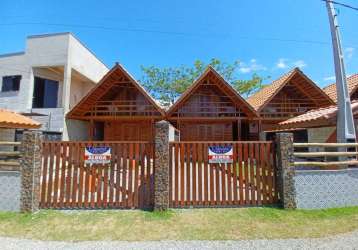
pixel 266 94
pixel 10 119
pixel 352 83
pixel 232 93
pixel 261 97
pixel 327 115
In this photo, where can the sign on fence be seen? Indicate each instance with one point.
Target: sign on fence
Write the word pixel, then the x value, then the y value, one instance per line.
pixel 220 154
pixel 98 155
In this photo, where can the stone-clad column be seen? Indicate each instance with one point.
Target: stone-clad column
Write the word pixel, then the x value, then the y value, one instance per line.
pixel 31 149
pixel 161 172
pixel 285 170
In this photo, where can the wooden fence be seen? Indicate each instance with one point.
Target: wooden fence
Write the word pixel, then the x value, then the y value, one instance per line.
pixel 249 180
pixel 331 155
pixel 67 182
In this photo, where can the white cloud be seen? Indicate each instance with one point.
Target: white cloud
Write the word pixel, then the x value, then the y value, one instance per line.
pixel 329 78
pixel 349 52
pixel 252 66
pixel 300 64
pixel 281 63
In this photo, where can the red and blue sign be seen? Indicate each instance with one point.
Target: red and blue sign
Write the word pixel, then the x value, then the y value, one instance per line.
pixel 220 154
pixel 98 155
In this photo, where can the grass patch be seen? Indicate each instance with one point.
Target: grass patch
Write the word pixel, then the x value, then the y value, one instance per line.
pixel 184 224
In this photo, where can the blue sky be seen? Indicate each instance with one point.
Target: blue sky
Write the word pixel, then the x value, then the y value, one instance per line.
pixel 268 37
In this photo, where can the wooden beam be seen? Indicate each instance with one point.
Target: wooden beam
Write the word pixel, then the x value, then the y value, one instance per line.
pixel 325 164
pixel 326 145
pixel 322 154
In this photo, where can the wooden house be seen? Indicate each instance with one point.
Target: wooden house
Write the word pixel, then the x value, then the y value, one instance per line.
pixel 290 95
pixel 211 110
pixel 118 109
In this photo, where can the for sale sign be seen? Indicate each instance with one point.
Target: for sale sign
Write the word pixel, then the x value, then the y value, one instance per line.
pixel 98 155
pixel 220 154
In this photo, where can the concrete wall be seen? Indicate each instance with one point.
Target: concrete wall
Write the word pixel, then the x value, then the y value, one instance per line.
pixel 77 130
pixel 84 61
pixel 10 189
pixel 15 65
pixel 319 134
pixel 326 188
pixel 59 51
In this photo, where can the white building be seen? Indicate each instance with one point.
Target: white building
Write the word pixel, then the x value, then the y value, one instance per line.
pixel 46 80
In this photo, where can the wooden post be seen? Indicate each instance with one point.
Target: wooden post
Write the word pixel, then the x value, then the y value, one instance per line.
pixel 239 129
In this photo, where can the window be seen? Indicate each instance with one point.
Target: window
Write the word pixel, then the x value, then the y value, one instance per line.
pixel 45 93
pixel 11 83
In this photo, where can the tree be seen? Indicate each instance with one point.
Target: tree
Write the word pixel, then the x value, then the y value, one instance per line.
pixel 166 84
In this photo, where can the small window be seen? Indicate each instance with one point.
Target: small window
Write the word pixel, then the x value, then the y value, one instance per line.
pixel 45 93
pixel 11 83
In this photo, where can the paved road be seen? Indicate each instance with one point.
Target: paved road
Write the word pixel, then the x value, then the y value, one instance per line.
pixel 346 241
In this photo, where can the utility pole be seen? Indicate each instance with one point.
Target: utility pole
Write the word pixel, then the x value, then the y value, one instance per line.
pixel 345 123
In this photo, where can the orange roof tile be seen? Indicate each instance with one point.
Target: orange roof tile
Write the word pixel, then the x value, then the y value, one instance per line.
pixel 352 83
pixel 266 94
pixel 318 114
pixel 261 97
pixel 10 119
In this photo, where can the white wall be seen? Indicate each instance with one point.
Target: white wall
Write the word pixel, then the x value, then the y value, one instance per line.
pixel 57 50
pixel 84 61
pixel 16 65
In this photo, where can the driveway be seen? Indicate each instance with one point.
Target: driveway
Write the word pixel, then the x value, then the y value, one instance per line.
pixel 344 241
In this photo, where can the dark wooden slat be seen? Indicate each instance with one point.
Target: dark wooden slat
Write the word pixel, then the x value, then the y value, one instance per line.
pixel 130 175
pixel 182 198
pixel 69 176
pixel 75 174
pixel 252 174
pixel 81 175
pixel 241 174
pixel 87 190
pixel 246 169
pixel 229 178
pixel 171 175
pixel 50 176
pixel 136 174
pixel 122 175
pixel 57 174
pixel 200 174
pixel 63 174
pixel 258 173
pixel 176 168
pixel 188 167
pixel 44 175
pixel 194 170
pixel 212 170
pixel 235 175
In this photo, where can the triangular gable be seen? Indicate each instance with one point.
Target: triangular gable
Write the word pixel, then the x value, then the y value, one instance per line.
pixel 352 82
pixel 224 86
pixel 115 75
pixel 261 98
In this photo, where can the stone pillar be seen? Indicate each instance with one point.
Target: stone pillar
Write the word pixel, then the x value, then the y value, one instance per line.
pixel 30 162
pixel 161 171
pixel 285 170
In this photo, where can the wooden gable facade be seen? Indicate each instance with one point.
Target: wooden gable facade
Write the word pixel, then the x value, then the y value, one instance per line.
pixel 211 110
pixel 291 95
pixel 118 109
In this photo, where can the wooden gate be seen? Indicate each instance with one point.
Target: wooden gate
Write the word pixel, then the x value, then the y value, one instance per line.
pixel 249 180
pixel 67 182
